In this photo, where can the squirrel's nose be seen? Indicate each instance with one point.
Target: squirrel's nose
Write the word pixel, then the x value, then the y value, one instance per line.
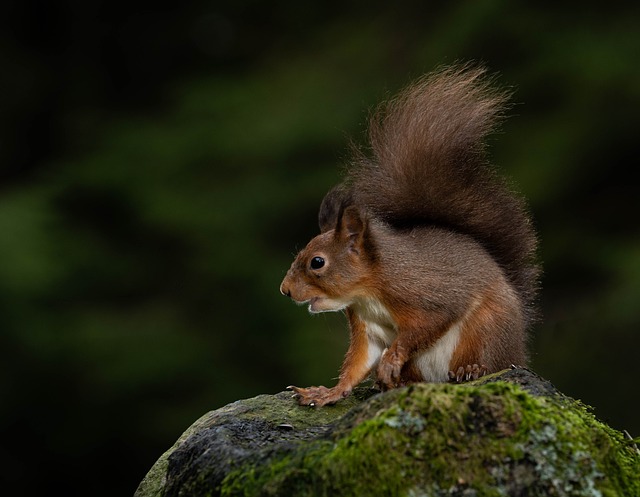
pixel 284 290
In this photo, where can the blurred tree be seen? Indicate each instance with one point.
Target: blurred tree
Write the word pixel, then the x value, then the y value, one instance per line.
pixel 161 163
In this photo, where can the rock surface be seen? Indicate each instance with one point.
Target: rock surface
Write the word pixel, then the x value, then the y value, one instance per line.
pixel 510 434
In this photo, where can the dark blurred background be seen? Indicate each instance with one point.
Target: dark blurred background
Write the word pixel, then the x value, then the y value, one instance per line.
pixel 161 162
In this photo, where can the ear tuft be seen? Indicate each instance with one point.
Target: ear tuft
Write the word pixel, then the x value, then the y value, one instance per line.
pixel 352 228
pixel 353 222
pixel 332 206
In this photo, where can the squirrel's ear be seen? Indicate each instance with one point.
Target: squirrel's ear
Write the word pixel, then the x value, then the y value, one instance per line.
pixel 352 226
pixel 333 203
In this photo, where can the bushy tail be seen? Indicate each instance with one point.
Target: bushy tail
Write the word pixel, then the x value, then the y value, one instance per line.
pixel 428 165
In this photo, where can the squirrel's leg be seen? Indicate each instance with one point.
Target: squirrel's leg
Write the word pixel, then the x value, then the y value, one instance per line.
pixel 410 373
pixel 360 357
pixel 491 337
pixel 416 332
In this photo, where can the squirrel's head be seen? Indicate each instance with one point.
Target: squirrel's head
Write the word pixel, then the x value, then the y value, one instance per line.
pixel 334 267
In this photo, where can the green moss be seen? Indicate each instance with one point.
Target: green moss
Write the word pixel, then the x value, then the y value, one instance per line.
pixel 275 410
pixel 279 409
pixel 442 439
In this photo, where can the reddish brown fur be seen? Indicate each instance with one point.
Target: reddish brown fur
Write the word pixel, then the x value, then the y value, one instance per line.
pixel 476 345
pixel 354 367
pixel 423 244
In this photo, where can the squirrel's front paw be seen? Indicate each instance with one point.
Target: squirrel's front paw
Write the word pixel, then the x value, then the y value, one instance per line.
pixel 318 396
pixel 389 370
pixel 468 373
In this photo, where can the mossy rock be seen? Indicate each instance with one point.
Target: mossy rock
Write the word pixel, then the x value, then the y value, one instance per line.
pixel 509 434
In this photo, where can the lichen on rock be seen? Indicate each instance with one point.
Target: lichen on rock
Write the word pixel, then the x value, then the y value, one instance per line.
pixel 508 434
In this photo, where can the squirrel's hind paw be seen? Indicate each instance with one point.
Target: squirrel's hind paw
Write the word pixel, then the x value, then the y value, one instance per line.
pixel 467 373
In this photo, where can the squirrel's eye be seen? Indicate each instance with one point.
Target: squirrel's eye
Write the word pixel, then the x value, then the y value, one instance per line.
pixel 317 262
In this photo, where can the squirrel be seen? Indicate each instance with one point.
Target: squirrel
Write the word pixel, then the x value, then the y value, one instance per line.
pixel 426 249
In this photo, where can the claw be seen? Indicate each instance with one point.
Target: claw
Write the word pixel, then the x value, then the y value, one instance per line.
pixel 467 373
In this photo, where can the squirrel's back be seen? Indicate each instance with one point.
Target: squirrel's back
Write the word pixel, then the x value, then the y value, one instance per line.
pixel 428 166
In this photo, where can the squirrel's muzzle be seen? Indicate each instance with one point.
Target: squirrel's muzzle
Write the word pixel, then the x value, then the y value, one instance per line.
pixel 284 290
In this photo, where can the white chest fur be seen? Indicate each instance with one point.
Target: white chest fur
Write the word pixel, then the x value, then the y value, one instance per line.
pixel 377 319
pixel 379 326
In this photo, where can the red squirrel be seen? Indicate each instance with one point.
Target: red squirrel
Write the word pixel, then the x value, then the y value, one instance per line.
pixel 424 247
